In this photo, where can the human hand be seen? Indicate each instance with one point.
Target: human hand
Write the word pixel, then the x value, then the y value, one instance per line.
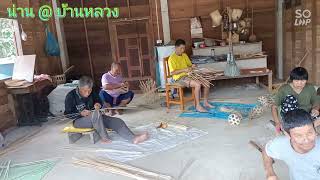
pixel 314 113
pixel 85 113
pixel 97 106
pixel 189 69
pixel 126 84
pixel 194 66
pixel 278 128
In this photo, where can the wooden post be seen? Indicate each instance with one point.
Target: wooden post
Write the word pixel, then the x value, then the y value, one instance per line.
pixel 88 45
pixel 270 81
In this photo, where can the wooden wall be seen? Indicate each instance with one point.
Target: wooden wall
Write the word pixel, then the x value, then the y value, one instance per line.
pixel 297 39
pixel 88 42
pixel 35 30
pixel 180 13
pixel 6 116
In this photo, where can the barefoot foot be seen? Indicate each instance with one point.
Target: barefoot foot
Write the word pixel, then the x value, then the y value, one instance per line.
pixel 140 138
pixel 106 141
pixel 208 105
pixel 199 108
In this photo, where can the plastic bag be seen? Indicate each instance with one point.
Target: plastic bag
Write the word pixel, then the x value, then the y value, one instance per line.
pixel 52 46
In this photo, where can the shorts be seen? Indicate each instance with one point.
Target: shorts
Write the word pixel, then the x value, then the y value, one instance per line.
pixel 184 81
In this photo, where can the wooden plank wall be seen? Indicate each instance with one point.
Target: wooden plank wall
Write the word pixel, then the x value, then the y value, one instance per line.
pixel 6 116
pixel 297 39
pixel 88 40
pixel 180 13
pixel 96 31
pixel 35 30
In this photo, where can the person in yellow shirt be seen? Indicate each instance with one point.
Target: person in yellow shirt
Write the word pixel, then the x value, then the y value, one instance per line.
pixel 179 66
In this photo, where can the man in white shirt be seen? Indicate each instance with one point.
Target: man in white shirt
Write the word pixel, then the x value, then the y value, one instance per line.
pixel 299 148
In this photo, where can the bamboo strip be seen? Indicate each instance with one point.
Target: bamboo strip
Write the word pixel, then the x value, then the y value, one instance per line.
pixel 3 166
pixel 114 170
pixel 121 169
pixel 36 162
pixel 132 168
pixel 46 166
pixel 6 174
pixel 98 150
pixel 149 90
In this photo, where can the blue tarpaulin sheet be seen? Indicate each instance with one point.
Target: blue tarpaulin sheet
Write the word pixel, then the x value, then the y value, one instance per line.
pixel 215 113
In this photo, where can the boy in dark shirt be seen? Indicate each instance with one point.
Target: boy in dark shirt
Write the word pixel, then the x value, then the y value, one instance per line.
pixel 79 104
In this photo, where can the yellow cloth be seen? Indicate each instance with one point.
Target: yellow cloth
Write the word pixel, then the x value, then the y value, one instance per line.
pixel 70 128
pixel 177 63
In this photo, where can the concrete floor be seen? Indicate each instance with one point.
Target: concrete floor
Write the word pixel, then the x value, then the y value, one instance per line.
pixel 223 154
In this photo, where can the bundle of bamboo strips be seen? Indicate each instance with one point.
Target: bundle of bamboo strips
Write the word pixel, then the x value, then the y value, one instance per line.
pixel 202 76
pixel 120 169
pixel 149 90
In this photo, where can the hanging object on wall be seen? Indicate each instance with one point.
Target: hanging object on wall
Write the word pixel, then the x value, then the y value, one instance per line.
pixel 216 18
pixel 23 34
pixel 225 22
pixel 231 68
pixel 236 14
pixel 245 24
pixel 196 28
pixel 52 46
pixel 252 37
pixel 241 27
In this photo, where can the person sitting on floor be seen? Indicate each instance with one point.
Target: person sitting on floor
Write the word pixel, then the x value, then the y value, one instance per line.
pixel 179 66
pixel 115 92
pixel 79 104
pixel 296 94
pixel 299 148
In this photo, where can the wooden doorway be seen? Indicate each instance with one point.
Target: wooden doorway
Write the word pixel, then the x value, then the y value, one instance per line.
pixel 132 47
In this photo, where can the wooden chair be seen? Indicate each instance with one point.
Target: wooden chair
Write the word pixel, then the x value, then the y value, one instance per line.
pixel 169 86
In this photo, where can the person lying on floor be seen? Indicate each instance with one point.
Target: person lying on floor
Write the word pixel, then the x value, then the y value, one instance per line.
pixel 83 100
pixel 296 94
pixel 115 92
pixel 179 65
pixel 299 148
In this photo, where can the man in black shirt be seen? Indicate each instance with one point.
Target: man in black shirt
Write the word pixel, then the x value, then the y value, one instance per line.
pixel 82 104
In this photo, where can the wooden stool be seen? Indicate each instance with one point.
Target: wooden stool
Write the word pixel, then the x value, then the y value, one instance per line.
pixel 182 99
pixel 74 134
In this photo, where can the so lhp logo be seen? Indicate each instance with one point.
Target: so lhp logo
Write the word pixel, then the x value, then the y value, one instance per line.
pixel 303 17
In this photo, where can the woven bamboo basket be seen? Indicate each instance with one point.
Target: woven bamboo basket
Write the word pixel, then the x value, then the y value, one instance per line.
pixel 59 79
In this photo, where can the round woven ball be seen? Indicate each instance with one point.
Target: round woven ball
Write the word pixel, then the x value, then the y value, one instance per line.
pixel 263 100
pixel 234 119
pixel 256 112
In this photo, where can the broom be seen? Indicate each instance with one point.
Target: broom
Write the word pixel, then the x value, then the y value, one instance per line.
pixel 231 66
